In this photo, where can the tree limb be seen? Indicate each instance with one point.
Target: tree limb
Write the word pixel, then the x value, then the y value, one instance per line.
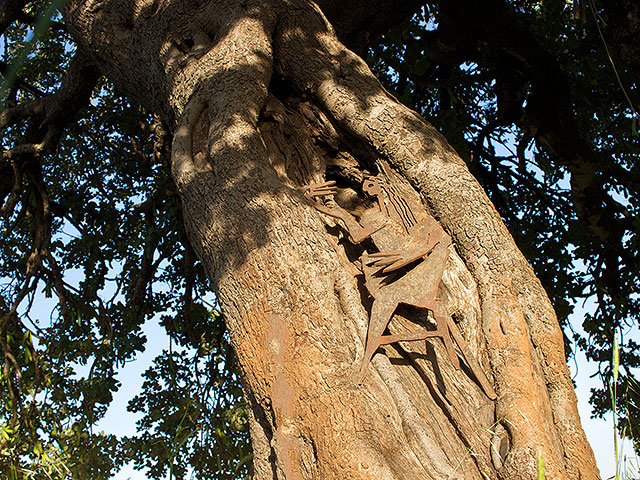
pixel 358 22
pixel 4 68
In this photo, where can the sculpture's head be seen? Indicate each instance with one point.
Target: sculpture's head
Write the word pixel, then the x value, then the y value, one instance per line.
pixel 372 186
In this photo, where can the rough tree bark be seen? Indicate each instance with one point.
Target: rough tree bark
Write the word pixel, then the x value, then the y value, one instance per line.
pixel 262 98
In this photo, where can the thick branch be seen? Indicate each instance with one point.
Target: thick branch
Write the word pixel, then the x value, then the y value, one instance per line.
pixel 52 113
pixel 358 22
pixel 624 25
pixel 73 94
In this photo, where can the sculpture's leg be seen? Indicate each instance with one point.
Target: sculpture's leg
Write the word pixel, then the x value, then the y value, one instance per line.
pixel 381 313
pixel 442 330
pixel 471 361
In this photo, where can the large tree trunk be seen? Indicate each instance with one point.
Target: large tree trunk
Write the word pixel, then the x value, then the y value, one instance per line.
pixel 263 98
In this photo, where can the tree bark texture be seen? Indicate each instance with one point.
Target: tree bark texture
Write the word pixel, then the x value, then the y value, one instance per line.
pixel 263 98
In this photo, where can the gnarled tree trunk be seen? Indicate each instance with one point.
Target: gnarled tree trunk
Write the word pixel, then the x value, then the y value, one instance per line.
pixel 263 98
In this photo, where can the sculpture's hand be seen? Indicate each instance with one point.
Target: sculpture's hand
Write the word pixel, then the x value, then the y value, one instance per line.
pixel 357 232
pixel 319 189
pixel 387 261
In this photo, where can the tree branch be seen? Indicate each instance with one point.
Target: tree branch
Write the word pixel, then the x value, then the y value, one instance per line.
pixel 4 68
pixel 358 22
pixel 53 112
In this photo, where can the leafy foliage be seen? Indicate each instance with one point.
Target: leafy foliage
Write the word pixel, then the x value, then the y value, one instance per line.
pixel 185 426
pixel 93 245
pixel 95 237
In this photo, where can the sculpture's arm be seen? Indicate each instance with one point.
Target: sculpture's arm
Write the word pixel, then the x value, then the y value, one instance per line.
pixel 357 232
pixel 390 260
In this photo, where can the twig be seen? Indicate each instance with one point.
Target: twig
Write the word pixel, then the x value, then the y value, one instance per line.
pixel 615 70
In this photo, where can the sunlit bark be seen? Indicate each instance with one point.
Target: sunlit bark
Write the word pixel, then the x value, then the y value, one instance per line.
pixel 263 98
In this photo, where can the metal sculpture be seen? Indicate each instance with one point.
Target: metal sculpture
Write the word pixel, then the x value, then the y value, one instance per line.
pixel 407 268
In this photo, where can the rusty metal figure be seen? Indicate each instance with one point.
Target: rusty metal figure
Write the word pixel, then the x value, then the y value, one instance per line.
pixel 407 268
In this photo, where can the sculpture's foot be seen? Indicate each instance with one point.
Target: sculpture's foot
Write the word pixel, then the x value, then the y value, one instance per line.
pixel 451 351
pixel 471 361
pixel 443 331
pixel 366 360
